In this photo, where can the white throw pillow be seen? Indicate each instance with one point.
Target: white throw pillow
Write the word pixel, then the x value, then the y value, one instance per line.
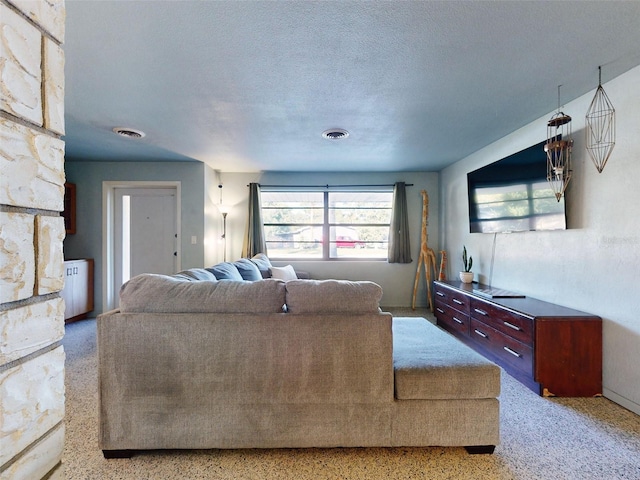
pixel 283 273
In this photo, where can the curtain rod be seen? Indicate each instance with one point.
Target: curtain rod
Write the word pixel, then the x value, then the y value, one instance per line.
pixel 333 186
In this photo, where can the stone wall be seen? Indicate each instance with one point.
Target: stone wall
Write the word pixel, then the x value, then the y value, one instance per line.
pixel 31 235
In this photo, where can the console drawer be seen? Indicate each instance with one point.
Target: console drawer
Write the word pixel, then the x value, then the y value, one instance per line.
pixel 457 300
pixel 502 346
pixel 451 319
pixel 509 323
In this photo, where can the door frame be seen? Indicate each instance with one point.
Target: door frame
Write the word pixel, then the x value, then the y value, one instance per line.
pixel 108 228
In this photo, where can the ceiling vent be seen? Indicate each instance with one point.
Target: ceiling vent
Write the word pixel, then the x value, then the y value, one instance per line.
pixel 335 133
pixel 129 132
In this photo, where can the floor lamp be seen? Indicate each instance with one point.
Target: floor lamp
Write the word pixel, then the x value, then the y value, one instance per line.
pixel 224 210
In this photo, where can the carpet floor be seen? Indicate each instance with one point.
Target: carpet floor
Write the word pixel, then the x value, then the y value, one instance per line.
pixel 541 438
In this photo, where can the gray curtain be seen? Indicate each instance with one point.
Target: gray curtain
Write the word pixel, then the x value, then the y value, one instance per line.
pixel 254 238
pixel 399 244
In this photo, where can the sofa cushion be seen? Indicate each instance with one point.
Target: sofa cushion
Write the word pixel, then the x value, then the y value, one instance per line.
pixel 263 263
pixel 225 271
pixel 332 296
pixel 163 294
pixel 196 274
pixel 284 273
pixel 248 270
pixel 429 363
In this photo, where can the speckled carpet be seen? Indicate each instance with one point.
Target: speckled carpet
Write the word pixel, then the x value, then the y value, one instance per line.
pixel 541 438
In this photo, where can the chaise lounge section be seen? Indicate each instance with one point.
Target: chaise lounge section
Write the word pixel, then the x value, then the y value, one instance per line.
pixel 204 364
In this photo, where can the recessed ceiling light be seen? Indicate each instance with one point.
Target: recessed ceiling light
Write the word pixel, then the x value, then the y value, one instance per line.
pixel 129 132
pixel 335 133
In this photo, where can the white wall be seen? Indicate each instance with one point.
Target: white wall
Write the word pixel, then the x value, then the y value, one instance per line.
pixel 592 265
pixel 396 279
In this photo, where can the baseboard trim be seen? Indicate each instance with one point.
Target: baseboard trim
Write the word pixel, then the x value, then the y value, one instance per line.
pixel 622 401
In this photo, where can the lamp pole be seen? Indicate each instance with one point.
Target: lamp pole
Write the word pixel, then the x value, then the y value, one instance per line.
pixel 224 236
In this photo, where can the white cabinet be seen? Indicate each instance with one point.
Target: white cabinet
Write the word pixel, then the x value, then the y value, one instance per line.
pixel 78 288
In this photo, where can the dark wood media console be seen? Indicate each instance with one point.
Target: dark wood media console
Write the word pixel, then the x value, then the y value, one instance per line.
pixel 553 350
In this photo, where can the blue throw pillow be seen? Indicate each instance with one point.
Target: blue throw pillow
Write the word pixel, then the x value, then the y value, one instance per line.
pixel 225 271
pixel 196 274
pixel 248 270
pixel 263 263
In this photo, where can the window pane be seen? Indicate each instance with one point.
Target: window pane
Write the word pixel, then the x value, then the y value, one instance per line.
pixel 357 241
pixel 360 207
pixel 294 250
pixel 292 207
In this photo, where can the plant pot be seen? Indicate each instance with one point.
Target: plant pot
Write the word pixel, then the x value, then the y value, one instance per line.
pixel 466 277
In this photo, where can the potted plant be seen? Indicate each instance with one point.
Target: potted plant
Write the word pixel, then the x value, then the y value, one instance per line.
pixel 467 275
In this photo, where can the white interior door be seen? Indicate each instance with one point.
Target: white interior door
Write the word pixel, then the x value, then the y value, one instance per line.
pixel 145 231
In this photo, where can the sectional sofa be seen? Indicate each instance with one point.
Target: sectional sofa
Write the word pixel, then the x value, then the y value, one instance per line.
pixel 190 362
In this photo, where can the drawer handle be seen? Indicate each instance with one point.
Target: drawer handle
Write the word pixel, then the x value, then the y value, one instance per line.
pixel 512 352
pixel 482 334
pixel 511 325
pixel 481 312
pixel 440 294
pixel 439 310
pixel 458 320
pixel 455 300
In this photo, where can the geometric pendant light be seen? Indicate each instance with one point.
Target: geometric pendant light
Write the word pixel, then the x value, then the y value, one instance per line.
pixel 558 148
pixel 600 127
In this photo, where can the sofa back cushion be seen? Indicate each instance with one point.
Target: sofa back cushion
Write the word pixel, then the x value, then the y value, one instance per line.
pixel 163 294
pixel 332 296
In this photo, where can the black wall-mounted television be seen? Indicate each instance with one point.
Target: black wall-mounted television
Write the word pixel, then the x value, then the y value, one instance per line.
pixel 513 195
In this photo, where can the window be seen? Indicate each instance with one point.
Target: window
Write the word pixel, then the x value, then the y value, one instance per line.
pixel 326 225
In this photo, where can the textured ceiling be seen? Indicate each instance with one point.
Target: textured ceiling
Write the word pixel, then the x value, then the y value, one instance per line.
pixel 251 86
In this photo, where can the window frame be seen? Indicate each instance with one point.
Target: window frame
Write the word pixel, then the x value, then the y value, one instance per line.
pixel 327 225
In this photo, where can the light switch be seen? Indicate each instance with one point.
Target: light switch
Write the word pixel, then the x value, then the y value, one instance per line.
pixel 194 240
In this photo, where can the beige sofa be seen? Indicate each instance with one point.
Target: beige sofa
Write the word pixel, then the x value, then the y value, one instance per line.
pixel 203 364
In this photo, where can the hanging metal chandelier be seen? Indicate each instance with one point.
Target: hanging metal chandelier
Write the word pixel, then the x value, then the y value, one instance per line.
pixel 558 148
pixel 601 127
